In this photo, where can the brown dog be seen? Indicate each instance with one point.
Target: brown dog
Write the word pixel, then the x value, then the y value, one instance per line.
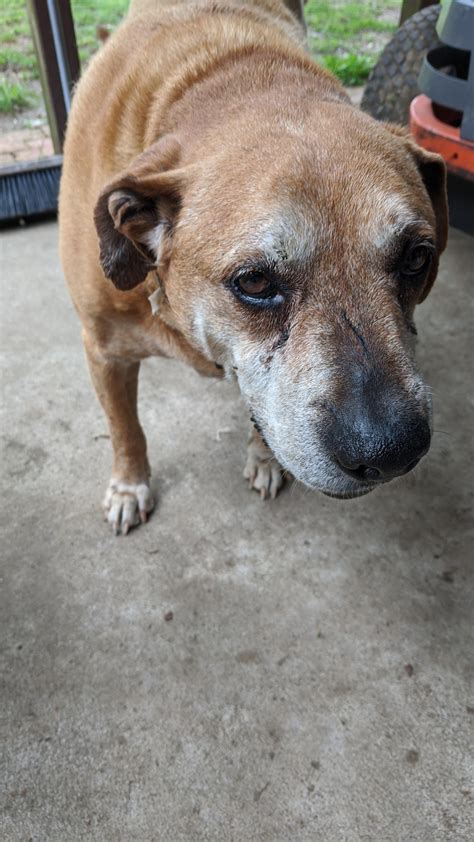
pixel 211 167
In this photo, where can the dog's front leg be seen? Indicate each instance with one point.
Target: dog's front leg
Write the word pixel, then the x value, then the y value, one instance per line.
pixel 262 470
pixel 128 499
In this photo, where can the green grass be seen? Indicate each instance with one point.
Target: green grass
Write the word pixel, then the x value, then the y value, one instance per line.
pixel 18 65
pixel 88 14
pixel 350 69
pixel 22 61
pixel 347 37
pixel 13 96
pixel 344 36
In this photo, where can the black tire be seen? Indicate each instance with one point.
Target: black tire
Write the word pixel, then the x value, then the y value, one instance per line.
pixel 393 82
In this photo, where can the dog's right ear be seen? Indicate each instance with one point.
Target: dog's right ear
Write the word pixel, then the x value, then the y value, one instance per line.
pixel 134 215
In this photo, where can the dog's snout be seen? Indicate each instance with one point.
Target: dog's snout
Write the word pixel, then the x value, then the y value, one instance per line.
pixel 370 450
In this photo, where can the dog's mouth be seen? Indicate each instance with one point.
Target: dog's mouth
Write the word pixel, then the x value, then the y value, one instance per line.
pixel 331 476
pixel 257 426
pixel 351 494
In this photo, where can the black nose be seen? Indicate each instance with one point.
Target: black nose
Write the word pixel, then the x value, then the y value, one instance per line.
pixel 377 452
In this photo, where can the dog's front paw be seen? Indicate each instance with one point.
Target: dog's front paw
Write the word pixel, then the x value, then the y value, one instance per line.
pixel 127 505
pixel 262 470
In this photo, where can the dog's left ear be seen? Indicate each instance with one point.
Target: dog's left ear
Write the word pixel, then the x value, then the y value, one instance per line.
pixel 134 215
pixel 432 169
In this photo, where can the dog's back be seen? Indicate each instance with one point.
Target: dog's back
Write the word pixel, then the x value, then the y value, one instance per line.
pixel 164 45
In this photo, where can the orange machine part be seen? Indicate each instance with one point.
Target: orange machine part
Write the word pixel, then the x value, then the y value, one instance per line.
pixel 436 136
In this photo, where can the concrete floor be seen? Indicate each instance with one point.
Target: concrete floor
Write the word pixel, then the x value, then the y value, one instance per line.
pixel 313 682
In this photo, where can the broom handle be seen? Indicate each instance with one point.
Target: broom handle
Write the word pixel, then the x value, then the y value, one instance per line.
pixel 54 38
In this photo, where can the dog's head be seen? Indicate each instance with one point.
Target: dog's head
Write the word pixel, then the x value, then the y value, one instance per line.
pixel 295 259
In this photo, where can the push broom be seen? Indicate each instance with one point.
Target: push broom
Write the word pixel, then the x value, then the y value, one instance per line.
pixel 30 189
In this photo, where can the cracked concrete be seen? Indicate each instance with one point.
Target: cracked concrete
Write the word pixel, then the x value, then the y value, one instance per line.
pixel 236 670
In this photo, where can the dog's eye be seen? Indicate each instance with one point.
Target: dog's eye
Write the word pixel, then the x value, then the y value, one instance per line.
pixel 258 289
pixel 417 260
pixel 258 286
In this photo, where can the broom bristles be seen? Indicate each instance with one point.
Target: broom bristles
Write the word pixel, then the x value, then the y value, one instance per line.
pixel 29 189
